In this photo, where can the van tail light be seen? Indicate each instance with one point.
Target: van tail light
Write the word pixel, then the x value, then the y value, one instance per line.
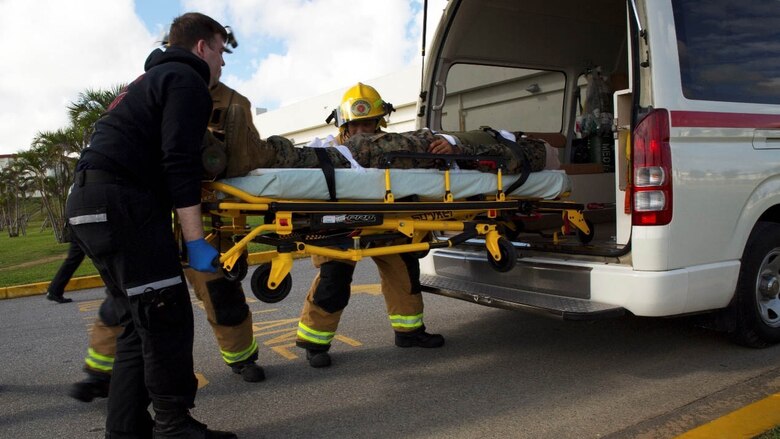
pixel 651 188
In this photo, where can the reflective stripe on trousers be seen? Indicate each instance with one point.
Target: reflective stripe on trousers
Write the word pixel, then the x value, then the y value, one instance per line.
pixel 406 322
pixel 314 336
pixel 235 357
pixel 96 361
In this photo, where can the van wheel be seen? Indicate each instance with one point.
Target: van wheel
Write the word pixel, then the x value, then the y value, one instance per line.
pixel 508 256
pixel 757 306
pixel 259 284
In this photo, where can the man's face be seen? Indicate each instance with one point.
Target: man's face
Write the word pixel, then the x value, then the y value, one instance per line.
pixel 365 126
pixel 211 52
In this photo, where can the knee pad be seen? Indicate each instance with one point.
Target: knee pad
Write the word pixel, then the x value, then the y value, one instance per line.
pixel 230 308
pixel 413 270
pixel 332 293
pixel 108 313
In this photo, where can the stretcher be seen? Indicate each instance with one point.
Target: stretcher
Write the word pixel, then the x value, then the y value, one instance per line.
pixel 356 214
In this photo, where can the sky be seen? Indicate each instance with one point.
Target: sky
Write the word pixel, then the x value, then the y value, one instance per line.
pixel 287 50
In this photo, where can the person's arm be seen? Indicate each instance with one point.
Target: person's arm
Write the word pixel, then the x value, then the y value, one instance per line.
pixel 191 222
pixel 201 253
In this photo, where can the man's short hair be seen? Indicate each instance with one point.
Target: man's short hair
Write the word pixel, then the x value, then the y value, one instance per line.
pixel 188 29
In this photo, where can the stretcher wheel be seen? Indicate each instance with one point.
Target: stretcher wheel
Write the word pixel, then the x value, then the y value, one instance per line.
pixel 239 270
pixel 259 284
pixel 587 237
pixel 508 256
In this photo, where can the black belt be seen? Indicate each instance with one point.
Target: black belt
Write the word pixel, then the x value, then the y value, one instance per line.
pixel 91 176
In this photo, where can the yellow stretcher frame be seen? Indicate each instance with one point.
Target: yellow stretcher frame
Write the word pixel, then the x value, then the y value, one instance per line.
pixel 408 218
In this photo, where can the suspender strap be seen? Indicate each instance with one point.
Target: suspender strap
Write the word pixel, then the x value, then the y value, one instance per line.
pixel 518 152
pixel 328 170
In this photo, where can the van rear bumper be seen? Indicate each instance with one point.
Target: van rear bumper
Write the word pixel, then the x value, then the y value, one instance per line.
pixel 577 289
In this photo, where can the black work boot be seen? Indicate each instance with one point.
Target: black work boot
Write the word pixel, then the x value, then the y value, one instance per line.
pixel 180 425
pixel 318 358
pixel 418 338
pixel 94 386
pixel 56 298
pixel 250 371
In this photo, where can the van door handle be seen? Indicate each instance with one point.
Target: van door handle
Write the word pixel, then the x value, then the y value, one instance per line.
pixel 766 139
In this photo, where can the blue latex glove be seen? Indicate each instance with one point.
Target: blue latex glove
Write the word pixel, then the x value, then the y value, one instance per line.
pixel 201 254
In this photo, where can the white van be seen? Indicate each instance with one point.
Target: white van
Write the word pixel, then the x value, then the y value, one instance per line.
pixel 666 116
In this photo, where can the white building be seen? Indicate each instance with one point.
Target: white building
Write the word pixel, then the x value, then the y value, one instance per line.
pixel 301 122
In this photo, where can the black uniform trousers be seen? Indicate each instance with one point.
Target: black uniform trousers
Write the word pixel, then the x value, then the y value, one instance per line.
pixel 127 233
pixel 66 270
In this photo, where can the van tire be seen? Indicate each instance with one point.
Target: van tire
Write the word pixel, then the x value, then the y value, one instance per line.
pixel 756 305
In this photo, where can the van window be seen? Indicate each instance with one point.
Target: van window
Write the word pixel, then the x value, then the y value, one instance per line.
pixel 729 51
pixel 503 98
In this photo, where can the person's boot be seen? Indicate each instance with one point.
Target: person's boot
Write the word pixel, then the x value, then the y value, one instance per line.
pixel 95 385
pixel 180 425
pixel 250 371
pixel 318 358
pixel 418 338
pixel 55 298
pixel 245 149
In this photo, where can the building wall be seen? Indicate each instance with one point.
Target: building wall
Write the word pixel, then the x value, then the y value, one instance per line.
pixel 301 122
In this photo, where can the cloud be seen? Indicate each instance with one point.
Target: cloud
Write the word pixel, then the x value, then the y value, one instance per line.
pixel 53 51
pixel 326 44
pixel 288 51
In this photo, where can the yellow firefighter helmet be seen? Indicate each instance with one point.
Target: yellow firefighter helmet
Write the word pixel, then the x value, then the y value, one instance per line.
pixel 361 102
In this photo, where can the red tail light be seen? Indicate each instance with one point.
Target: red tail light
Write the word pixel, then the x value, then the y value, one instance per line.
pixel 651 196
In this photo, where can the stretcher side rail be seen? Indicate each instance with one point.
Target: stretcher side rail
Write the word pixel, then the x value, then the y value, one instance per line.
pixel 294 227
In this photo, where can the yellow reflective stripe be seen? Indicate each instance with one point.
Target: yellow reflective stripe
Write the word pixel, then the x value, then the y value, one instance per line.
pixel 314 336
pixel 401 321
pixel 100 362
pixel 235 357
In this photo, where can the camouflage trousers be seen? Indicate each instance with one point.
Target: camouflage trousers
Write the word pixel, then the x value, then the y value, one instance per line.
pixel 369 151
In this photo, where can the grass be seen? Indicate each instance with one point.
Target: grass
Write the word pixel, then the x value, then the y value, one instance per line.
pixel 37 256
pixel 34 257
pixel 771 434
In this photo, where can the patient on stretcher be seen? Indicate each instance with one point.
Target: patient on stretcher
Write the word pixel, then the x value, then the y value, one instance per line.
pixel 245 150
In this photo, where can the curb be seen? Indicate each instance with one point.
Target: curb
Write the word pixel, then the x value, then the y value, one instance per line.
pixel 77 283
pixel 86 282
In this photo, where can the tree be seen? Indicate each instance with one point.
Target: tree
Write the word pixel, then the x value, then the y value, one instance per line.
pixel 86 110
pixel 47 168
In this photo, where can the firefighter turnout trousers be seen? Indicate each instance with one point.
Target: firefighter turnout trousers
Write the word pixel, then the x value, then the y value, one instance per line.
pixel 330 291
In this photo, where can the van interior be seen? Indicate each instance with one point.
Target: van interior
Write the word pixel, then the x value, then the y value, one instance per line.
pixel 554 70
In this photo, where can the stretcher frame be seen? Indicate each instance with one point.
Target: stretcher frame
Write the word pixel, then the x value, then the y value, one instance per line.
pixel 400 226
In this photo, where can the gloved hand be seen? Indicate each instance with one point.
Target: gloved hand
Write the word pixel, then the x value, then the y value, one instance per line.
pixel 201 254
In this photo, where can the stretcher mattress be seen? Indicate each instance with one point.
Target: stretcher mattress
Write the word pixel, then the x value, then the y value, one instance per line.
pixel 369 184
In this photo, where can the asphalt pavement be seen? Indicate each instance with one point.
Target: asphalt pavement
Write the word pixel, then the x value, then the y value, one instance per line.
pixel 501 373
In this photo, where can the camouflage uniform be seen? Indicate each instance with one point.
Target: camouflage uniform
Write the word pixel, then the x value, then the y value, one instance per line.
pixel 369 149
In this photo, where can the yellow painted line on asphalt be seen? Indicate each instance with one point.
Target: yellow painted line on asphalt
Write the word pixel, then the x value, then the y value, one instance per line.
pixel 747 422
pixel 202 381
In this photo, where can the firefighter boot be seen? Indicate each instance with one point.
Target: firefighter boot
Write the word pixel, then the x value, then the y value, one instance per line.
pixel 178 424
pixel 418 338
pixel 318 358
pixel 245 150
pixel 250 371
pixel 95 385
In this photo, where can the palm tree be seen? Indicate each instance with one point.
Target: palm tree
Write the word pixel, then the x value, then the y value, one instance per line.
pixel 15 186
pixel 50 161
pixel 87 109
